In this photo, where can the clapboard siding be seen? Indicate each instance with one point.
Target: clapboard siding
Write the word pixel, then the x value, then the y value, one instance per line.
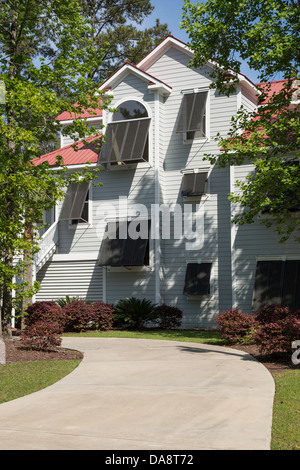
pixel 233 251
pixel 67 140
pixel 248 101
pixel 74 278
pixel 172 68
pixel 251 242
pixel 126 284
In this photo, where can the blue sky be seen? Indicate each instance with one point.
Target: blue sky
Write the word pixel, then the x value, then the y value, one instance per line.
pixel 169 11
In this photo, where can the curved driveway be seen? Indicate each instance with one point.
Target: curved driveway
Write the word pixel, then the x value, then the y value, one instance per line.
pixel 136 394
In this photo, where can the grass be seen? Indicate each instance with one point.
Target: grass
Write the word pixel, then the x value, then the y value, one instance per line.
pixel 193 336
pixel 21 378
pixel 286 411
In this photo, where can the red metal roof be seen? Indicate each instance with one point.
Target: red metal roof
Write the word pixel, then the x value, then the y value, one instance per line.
pixel 89 113
pixel 269 88
pixel 70 156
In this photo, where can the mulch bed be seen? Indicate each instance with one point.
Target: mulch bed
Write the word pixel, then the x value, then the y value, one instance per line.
pixel 16 353
pixel 273 362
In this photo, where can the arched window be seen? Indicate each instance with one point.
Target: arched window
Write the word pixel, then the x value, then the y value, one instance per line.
pixel 130 110
pixel 126 137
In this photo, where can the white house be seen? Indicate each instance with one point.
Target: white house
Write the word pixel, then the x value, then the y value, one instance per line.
pixel 156 184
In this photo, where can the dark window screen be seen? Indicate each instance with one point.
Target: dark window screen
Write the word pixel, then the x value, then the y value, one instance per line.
pixel 192 113
pixel 277 282
pixel 126 142
pixel 194 184
pixel 74 201
pixel 197 279
pixel 124 251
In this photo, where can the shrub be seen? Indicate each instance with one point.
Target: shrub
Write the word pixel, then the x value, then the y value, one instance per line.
pixel 272 313
pixel 42 335
pixel 45 312
pixel 79 315
pixel 277 337
pixel 134 313
pixel 236 326
pixel 103 315
pixel 168 316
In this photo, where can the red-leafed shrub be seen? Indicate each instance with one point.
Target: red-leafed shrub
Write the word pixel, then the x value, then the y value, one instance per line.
pixel 103 316
pixel 236 326
pixel 79 315
pixel 277 337
pixel 45 312
pixel 42 335
pixel 168 317
pixel 272 313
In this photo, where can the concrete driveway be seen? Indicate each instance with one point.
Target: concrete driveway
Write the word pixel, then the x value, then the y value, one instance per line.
pixel 135 394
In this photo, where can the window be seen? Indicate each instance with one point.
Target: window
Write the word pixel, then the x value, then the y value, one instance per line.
pixel 193 115
pixel 48 220
pixel 127 138
pixel 277 282
pixel 119 249
pixel 197 279
pixel 194 184
pixel 84 218
pixel 75 206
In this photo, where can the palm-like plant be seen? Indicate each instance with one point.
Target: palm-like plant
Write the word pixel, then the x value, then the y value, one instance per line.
pixel 135 313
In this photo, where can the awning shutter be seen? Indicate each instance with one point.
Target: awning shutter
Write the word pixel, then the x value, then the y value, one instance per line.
pixel 267 283
pixel 192 113
pixel 277 282
pixel 74 201
pixel 197 279
pixel 194 184
pixel 126 141
pixel 123 252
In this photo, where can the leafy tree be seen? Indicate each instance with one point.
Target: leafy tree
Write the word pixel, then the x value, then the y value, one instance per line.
pixel 115 32
pixel 265 34
pixel 43 71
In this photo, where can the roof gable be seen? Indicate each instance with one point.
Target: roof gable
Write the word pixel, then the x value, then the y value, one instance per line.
pixel 128 68
pixel 160 49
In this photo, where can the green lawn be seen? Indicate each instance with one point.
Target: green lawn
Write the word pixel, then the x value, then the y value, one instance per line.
pixel 21 379
pixel 194 336
pixel 286 411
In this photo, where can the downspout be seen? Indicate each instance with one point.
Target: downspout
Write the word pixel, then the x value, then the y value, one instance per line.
pixel 232 243
pixel 157 253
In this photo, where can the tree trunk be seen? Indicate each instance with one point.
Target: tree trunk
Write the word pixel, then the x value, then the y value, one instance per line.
pixel 28 272
pixel 6 308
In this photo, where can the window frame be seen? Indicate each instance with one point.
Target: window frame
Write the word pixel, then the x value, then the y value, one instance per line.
pixel 200 297
pixel 109 120
pixel 200 139
pixel 119 268
pixel 77 223
pixel 256 296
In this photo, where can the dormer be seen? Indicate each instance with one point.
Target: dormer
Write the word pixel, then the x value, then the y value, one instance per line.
pixel 93 118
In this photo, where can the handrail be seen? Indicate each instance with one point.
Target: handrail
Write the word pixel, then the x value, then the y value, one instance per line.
pixel 47 244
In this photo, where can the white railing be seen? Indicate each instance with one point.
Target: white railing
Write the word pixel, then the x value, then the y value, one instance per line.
pixel 48 244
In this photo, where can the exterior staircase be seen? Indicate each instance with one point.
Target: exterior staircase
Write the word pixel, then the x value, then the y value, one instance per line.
pixel 48 246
